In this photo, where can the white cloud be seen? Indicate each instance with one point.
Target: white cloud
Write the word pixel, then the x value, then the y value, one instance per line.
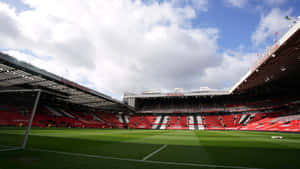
pixel 269 24
pixel 231 69
pixel 116 46
pixel 9 28
pixel 237 3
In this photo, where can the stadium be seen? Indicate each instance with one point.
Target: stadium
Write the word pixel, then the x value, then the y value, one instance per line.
pixel 48 121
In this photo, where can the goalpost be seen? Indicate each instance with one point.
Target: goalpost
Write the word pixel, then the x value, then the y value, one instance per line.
pixel 36 102
pixel 31 118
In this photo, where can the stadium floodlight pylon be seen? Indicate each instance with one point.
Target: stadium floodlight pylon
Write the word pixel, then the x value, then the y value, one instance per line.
pixel 37 99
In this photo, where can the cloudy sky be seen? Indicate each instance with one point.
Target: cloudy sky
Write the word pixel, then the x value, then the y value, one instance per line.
pixel 115 46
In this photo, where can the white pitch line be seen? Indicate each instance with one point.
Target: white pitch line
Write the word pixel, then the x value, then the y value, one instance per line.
pixel 154 152
pixel 140 161
pixel 10 149
pixel 198 165
pixel 6 146
pixel 135 160
pixel 9 146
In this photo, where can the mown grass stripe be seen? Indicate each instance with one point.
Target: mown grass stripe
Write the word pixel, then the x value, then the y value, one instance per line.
pixel 141 161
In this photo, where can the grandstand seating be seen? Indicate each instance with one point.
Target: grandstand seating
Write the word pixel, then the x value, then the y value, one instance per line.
pixel 177 122
pixel 283 119
pixel 145 122
pixel 229 121
pixel 195 122
pixel 213 122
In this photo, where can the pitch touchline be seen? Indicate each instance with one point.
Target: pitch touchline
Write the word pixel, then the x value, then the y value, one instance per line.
pixel 141 161
pixel 154 152
pixel 134 160
pixel 10 149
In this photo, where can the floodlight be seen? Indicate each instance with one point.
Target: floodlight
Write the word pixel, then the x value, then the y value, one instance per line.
pixel 282 68
pixel 267 79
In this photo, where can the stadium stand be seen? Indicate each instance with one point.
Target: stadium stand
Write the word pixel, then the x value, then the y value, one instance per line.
pixel 266 98
pixel 267 116
pixel 274 118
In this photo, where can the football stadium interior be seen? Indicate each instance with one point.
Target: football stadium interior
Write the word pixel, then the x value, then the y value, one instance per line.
pixel 48 121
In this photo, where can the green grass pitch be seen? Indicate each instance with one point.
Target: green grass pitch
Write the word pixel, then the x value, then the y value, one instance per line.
pixel 148 149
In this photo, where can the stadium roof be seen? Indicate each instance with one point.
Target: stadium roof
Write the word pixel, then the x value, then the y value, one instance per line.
pixel 278 68
pixel 176 94
pixel 16 75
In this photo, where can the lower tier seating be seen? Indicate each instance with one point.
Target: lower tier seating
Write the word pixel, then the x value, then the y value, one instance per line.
pixel 271 120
